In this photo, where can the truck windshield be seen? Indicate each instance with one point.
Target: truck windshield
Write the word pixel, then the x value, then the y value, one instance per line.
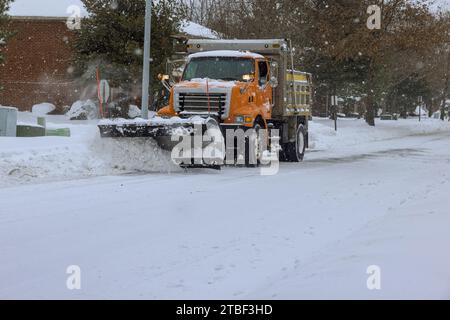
pixel 219 68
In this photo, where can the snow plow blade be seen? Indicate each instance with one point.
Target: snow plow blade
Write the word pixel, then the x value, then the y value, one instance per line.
pixel 162 130
pixel 161 133
pixel 133 130
pixel 152 128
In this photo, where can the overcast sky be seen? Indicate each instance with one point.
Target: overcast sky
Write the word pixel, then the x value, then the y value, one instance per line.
pixel 59 7
pixel 43 7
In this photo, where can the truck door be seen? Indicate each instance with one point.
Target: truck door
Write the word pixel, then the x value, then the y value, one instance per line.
pixel 264 94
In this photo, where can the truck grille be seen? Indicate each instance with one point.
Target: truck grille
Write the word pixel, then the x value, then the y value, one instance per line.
pixel 199 103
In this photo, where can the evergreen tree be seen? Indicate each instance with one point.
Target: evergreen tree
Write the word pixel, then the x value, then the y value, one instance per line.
pixel 111 39
pixel 5 33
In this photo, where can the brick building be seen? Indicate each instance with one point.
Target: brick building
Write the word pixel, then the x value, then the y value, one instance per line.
pixel 38 64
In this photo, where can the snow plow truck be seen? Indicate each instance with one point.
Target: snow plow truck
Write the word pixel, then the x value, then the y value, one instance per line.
pixel 233 85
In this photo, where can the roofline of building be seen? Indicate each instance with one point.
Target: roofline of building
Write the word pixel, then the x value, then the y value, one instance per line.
pixel 38 18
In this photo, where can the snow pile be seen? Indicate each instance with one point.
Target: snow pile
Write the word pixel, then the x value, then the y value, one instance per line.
pixel 134 112
pixel 8 108
pixel 83 110
pixel 437 115
pixel 353 132
pixel 132 155
pixel 422 111
pixel 226 54
pixel 43 109
pixel 84 154
pixel 197 30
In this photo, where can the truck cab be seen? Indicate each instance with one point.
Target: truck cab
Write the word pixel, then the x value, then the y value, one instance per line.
pixel 236 87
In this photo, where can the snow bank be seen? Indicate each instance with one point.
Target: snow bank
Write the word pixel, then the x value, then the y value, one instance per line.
pixel 134 112
pixel 83 110
pixel 422 111
pixel 197 30
pixel 8 108
pixel 226 54
pixel 43 109
pixel 353 132
pixel 84 154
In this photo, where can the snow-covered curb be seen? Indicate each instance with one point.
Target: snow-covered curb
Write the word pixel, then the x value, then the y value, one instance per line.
pixel 353 132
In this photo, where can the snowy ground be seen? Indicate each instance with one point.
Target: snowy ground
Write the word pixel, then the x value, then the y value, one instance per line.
pixel 140 227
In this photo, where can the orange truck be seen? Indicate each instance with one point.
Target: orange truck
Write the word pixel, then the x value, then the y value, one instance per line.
pixel 241 84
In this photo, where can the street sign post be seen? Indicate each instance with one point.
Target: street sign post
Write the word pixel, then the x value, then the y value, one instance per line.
pixel 103 92
pixel 334 108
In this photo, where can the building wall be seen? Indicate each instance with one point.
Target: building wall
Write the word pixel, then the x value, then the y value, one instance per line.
pixel 38 64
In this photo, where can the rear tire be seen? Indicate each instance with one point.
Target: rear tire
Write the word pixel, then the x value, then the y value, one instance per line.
pixel 295 151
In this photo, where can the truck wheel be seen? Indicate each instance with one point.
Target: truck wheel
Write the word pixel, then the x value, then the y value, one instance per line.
pixel 295 151
pixel 253 153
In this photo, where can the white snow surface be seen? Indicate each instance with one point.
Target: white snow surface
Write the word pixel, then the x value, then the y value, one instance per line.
pixel 197 30
pixel 141 228
pixel 84 154
pixel 87 108
pixel 226 53
pixel 422 111
pixel 134 111
pixel 8 108
pixel 43 109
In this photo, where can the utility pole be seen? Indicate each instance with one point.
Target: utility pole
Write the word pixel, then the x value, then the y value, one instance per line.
pixel 446 87
pixel 146 69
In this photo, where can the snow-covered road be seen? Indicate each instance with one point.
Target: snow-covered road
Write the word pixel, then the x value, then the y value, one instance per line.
pixel 309 232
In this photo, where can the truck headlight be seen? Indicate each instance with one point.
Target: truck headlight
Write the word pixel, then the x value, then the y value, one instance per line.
pixel 243 119
pixel 239 119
